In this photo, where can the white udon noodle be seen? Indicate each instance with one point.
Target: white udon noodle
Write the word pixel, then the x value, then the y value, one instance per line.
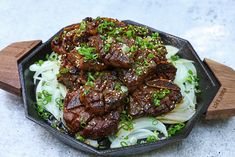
pixel 142 127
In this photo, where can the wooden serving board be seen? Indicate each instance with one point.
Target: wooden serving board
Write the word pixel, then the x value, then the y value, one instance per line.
pixel 222 106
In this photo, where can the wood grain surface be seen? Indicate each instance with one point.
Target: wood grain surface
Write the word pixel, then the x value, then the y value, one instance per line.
pixel 223 104
pixel 9 57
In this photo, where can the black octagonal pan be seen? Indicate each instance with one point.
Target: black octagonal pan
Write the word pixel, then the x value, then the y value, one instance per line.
pixel 211 83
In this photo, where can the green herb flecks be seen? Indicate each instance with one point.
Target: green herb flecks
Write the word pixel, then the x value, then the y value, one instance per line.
pixel 63 70
pixel 87 52
pixel 175 57
pixel 151 55
pixel 59 103
pixel 157 96
pixel 107 47
pixel 105 25
pixel 43 98
pixel 123 143
pixel 194 80
pixel 40 62
pixel 79 137
pixel 139 71
pixel 126 121
pixel 151 138
pixel 175 128
pixel 90 79
pixel 155 35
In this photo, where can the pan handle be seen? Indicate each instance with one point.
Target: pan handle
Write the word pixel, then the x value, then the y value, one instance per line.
pixel 10 56
pixel 223 104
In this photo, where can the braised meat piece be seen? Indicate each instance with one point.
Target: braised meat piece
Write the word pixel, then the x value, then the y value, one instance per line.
pixel 166 71
pixel 144 66
pixel 154 100
pixel 116 53
pixel 79 119
pixel 102 126
pixel 82 63
pixel 103 93
pixel 75 115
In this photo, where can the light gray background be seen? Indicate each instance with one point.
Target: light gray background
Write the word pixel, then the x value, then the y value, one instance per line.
pixel 208 25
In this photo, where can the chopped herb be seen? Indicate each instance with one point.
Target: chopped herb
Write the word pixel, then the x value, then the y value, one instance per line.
pixel 117 86
pixel 90 79
pixel 126 138
pixel 105 25
pixel 87 52
pixel 175 57
pixel 151 138
pixel 82 122
pixel 106 47
pixel 56 38
pixel 43 98
pixel 133 48
pixel 145 63
pixel 175 128
pixel 123 144
pixel 151 55
pixel 40 62
pixel 82 25
pixel 190 72
pixel 187 91
pixel 129 33
pixel 126 121
pixel 102 37
pixel 52 57
pixel 155 35
pixel 157 96
pixel 79 137
pixel 59 103
pixel 156 102
pixel 119 39
pixel 138 71
pixel 44 83
pixel 64 70
pixel 86 91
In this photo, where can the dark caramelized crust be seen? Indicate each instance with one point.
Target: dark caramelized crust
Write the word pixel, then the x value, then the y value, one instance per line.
pixel 142 100
pixel 104 95
pixel 103 62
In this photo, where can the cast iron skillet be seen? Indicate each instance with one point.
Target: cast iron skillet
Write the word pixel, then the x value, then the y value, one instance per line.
pixel 209 86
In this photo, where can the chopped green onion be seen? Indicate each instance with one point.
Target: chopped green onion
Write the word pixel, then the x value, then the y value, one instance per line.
pixel 59 103
pixel 174 57
pixel 123 144
pixel 40 62
pixel 151 55
pixel 79 137
pixel 133 48
pixel 173 129
pixel 87 52
pixel 138 71
pixel 151 138
pixel 155 35
pixel 64 70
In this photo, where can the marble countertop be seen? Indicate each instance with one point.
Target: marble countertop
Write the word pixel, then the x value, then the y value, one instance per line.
pixel 208 25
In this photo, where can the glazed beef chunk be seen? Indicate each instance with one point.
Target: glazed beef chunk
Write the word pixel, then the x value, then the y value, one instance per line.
pixel 153 100
pixel 104 94
pixel 102 126
pixel 104 63
pixel 79 118
pixel 75 114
